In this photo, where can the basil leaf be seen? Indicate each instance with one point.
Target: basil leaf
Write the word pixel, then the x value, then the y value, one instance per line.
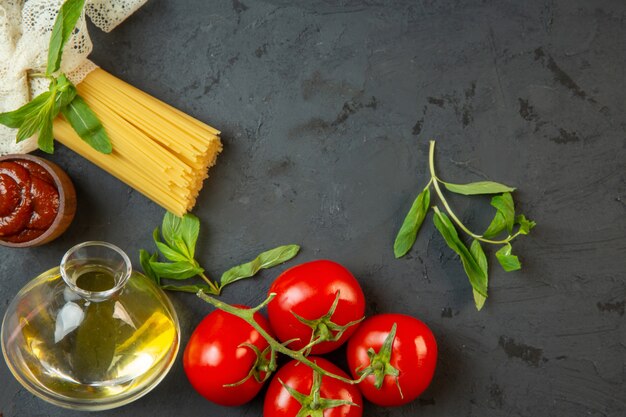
pixel 14 119
pixel 170 228
pixel 87 125
pixel 181 233
pixel 475 274
pixel 171 254
pixel 45 141
pixel 187 288
pixel 181 247
pixel 525 225
pixel 62 31
pixel 189 230
pixel 265 260
pixel 411 225
pixel 144 260
pixel 508 261
pixel 481 259
pixel 480 187
pixel 504 204
pixel 497 225
pixel 176 270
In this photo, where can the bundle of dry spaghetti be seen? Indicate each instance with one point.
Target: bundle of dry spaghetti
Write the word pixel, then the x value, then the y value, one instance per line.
pixel 158 150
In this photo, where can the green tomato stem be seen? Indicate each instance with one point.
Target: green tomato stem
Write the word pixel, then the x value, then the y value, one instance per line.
pixel 248 316
pixel 435 182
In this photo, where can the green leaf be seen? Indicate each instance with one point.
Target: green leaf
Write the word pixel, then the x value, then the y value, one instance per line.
pixel 176 270
pixel 171 228
pixel 504 204
pixel 30 127
pixel 508 261
pixel 187 288
pixel 180 246
pixel 62 31
pixel 45 141
pixel 479 255
pixel 144 260
pixel 497 225
pixel 87 125
pixel 480 187
pixel 37 118
pixel 265 260
pixel 181 233
pixel 525 225
pixel 14 119
pixel 474 272
pixel 170 253
pixel 65 94
pixel 412 223
pixel 189 230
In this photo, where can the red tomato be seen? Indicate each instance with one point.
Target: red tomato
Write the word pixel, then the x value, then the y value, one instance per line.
pixel 279 402
pixel 413 354
pixel 309 290
pixel 213 357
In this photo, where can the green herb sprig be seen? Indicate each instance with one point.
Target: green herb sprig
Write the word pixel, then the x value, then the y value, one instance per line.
pixel 176 241
pixel 473 258
pixel 61 97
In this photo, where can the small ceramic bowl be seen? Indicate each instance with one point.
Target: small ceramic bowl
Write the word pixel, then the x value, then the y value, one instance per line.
pixel 67 201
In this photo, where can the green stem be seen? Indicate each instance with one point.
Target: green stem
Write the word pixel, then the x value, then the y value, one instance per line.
pixel 215 290
pixel 248 316
pixel 40 75
pixel 435 181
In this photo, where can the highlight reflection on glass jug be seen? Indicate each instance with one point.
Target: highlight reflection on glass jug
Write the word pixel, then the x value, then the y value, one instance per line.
pixel 90 334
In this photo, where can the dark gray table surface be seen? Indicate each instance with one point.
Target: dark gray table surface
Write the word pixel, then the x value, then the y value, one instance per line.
pixel 326 109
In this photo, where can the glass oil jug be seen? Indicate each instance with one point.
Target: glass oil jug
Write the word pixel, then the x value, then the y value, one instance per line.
pixel 91 334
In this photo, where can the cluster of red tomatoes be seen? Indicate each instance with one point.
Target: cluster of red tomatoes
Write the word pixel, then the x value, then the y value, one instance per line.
pixel 318 306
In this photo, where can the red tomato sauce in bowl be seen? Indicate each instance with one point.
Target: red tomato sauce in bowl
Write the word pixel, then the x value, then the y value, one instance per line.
pixel 31 199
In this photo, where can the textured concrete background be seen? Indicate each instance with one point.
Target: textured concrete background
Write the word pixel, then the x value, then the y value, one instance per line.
pixel 326 109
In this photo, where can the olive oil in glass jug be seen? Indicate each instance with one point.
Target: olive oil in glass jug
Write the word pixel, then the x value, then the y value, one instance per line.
pixel 91 334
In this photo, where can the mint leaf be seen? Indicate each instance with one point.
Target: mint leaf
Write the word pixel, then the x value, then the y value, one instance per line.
pixel 481 259
pixel 176 270
pixel 525 225
pixel 65 93
pixel 504 204
pixel 30 126
pixel 87 125
pixel 474 272
pixel 62 31
pixel 264 260
pixel 480 187
pixel 412 223
pixel 508 261
pixel 45 141
pixel 37 117
pixel 14 119
pixel 497 225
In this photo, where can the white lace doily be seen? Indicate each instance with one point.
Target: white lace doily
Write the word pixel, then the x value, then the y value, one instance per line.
pixel 25 27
